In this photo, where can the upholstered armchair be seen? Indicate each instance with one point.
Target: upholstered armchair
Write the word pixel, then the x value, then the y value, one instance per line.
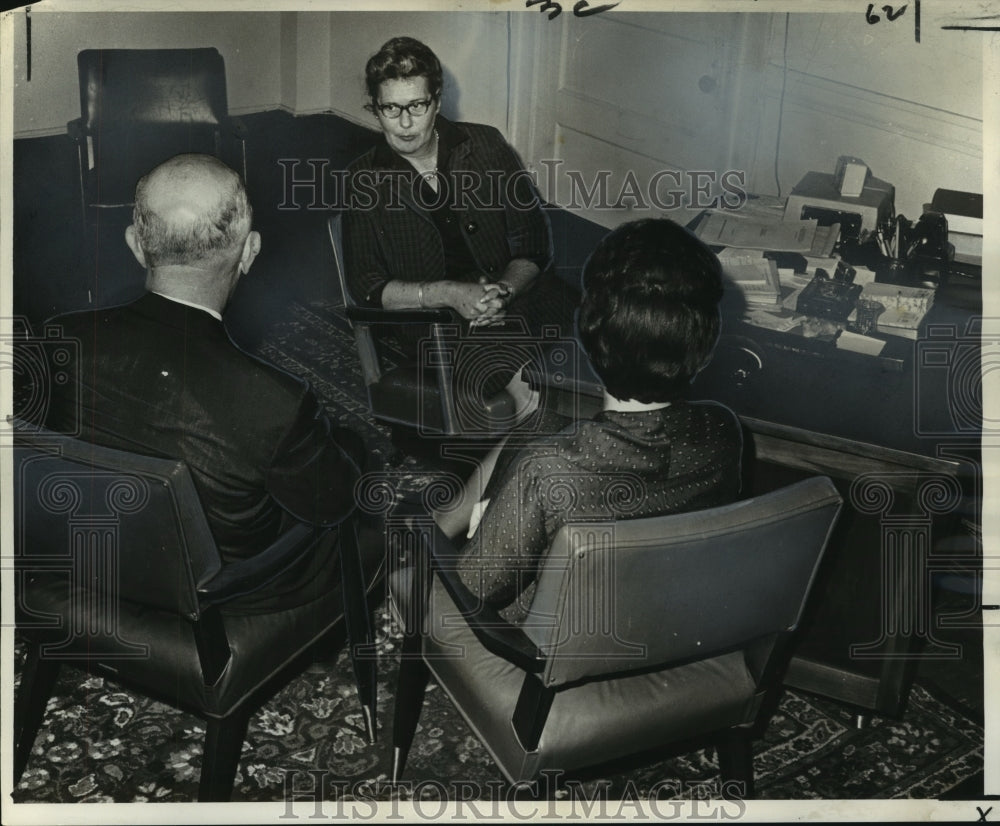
pixel 117 573
pixel 642 634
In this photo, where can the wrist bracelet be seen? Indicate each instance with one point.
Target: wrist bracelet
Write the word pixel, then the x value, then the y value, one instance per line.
pixel 420 294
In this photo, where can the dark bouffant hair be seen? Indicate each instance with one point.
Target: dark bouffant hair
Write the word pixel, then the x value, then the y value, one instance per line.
pixel 401 58
pixel 649 319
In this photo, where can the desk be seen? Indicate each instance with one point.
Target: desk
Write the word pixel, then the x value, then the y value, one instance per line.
pixel 899 435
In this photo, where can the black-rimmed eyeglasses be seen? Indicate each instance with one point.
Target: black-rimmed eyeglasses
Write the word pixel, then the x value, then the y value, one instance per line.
pixel 415 108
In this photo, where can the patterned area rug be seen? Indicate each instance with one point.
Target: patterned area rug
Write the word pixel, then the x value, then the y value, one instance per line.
pixel 100 742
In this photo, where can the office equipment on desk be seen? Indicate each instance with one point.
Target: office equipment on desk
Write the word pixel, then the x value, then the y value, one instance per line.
pixel 915 254
pixel 963 212
pixel 831 298
pixel 817 196
pixel 851 175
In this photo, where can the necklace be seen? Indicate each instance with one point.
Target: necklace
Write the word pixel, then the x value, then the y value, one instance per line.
pixel 437 141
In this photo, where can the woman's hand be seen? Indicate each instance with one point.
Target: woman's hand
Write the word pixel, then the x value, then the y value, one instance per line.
pixel 478 303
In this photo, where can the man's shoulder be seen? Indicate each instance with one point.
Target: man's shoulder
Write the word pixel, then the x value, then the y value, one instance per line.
pixel 88 318
pixel 266 372
pixel 143 328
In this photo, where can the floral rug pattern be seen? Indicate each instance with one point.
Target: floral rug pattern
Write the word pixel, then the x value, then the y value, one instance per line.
pixel 102 743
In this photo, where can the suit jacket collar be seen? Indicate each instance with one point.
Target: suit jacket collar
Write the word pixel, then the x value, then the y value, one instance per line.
pixel 179 316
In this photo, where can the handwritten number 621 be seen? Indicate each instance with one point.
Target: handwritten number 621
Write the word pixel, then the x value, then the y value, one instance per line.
pixel 890 14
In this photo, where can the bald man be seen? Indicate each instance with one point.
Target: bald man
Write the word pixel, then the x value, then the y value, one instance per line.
pixel 161 377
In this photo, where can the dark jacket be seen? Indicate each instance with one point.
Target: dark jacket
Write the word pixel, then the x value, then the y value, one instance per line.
pixel 163 379
pixel 388 234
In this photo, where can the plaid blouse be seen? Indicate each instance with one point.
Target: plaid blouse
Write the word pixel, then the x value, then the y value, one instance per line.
pixel 390 234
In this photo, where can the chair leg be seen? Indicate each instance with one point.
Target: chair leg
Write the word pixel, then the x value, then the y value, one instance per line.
pixel 735 754
pixel 359 628
pixel 413 677
pixel 38 679
pixel 223 744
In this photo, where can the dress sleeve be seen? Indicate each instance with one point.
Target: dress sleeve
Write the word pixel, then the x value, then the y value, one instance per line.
pixel 315 467
pixel 528 233
pixel 502 557
pixel 366 270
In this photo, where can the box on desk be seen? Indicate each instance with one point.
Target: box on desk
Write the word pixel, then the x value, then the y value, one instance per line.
pixel 831 298
pixel 905 308
pixel 817 196
pixel 964 213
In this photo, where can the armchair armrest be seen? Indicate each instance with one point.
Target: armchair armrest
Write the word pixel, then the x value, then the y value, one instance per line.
pixel 372 315
pixel 583 384
pixel 494 632
pixel 76 130
pixel 238 128
pixel 248 575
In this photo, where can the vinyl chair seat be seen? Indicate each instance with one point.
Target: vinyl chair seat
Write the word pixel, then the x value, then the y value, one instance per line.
pixel 630 711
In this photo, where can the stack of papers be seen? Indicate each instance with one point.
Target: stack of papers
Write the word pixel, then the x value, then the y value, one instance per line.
pixel 723 229
pixel 755 276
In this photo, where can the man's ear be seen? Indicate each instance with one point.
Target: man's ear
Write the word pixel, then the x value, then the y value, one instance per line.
pixel 250 249
pixel 133 244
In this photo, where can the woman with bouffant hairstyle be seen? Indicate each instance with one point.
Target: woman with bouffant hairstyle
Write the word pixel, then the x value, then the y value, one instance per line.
pixel 649 321
pixel 650 318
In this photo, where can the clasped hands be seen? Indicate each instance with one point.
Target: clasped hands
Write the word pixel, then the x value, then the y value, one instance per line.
pixel 483 303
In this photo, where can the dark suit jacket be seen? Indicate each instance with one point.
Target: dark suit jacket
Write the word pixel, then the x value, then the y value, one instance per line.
pixel 163 379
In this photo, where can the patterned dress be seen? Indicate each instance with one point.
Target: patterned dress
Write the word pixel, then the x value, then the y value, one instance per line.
pixel 682 457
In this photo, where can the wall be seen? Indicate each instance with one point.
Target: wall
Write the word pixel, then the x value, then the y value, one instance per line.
pixel 626 91
pixel 472 47
pixel 912 111
pixel 305 62
pixel 707 92
pixel 249 43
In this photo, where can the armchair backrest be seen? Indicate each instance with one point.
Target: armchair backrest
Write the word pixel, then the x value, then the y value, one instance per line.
pixel 132 525
pixel 138 108
pixel 152 86
pixel 646 593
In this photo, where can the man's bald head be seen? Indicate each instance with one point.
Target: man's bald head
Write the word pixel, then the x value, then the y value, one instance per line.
pixel 191 210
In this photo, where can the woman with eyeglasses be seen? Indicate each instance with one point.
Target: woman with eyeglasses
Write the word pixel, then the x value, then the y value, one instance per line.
pixel 442 214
